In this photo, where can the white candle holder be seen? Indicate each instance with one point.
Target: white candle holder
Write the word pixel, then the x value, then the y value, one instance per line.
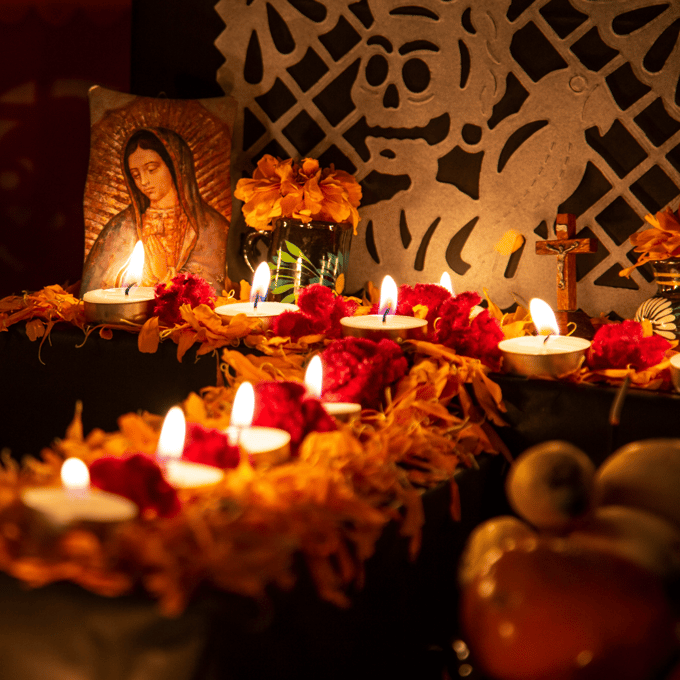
pixel 265 312
pixel 63 507
pixel 375 327
pixel 543 356
pixel 344 411
pixel 264 446
pixel 115 306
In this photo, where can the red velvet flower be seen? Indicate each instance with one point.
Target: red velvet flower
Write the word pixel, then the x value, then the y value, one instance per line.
pixel 477 338
pixel 320 312
pixel 358 370
pixel 285 405
pixel 138 478
pixel 295 325
pixel 618 345
pixel 184 289
pixel 209 446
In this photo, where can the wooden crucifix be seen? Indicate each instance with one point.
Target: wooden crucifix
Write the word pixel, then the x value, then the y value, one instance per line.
pixel 566 247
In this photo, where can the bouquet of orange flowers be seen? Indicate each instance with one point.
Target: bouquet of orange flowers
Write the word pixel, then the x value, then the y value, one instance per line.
pixel 300 190
pixel 659 242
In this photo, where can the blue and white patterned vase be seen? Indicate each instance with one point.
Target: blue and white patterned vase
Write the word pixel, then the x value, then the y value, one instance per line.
pixel 663 310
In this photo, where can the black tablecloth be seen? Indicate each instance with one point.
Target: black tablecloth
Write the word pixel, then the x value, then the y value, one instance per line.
pixel 539 410
pixel 111 378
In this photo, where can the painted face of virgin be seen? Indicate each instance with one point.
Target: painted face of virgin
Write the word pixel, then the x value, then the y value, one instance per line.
pixel 152 177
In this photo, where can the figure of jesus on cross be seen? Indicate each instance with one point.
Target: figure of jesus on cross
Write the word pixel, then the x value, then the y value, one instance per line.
pixel 566 247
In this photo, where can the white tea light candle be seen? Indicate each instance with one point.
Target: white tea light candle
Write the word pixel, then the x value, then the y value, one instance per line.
pixel 241 412
pixel 543 355
pixel 262 445
pixel 340 410
pixel 75 501
pixel 265 445
pixel 181 474
pixel 127 304
pixel 385 324
pixel 547 356
pixel 118 305
pixel 257 308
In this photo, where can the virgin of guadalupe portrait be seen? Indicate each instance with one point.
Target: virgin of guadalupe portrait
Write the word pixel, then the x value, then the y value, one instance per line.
pixel 159 175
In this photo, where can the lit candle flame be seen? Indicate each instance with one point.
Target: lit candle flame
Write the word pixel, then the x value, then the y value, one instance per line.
pixel 260 287
pixel 74 475
pixel 543 317
pixel 133 269
pixel 388 297
pixel 314 376
pixel 244 406
pixel 445 282
pixel 173 432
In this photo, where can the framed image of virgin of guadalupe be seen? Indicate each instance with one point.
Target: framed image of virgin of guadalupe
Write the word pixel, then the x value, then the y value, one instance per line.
pixel 158 173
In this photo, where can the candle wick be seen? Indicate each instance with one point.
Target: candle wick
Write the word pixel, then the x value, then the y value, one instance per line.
pixel 546 338
pixel 127 290
pixel 256 300
pixel 387 311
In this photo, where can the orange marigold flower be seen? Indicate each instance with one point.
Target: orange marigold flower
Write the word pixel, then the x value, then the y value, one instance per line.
pixel 299 190
pixel 658 242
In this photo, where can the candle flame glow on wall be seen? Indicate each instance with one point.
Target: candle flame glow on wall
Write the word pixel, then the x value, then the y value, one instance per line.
pixel 173 432
pixel 75 475
pixel 543 317
pixel 445 282
pixel 261 279
pixel 314 376
pixel 244 406
pixel 388 296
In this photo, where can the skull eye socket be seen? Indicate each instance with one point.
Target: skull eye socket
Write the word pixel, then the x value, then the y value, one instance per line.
pixel 376 70
pixel 416 75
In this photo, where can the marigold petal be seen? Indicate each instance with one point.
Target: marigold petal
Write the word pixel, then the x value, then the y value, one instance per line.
pixel 149 336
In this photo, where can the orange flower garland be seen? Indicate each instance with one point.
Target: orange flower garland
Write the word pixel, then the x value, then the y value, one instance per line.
pixel 300 190
pixel 329 506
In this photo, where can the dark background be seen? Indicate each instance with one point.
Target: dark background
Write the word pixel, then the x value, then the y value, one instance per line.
pixel 52 52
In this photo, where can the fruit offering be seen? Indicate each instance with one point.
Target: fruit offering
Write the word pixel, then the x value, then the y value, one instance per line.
pixel 551 485
pixel 582 584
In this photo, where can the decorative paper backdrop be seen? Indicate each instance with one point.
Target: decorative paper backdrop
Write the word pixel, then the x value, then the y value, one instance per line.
pixel 196 135
pixel 464 120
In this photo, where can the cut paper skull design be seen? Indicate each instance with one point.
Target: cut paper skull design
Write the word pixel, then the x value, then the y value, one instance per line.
pixel 466 122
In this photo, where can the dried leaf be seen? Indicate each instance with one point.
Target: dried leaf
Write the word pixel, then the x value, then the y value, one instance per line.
pixel 149 336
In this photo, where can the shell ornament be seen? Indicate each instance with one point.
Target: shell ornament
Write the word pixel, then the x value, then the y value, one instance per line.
pixel 663 314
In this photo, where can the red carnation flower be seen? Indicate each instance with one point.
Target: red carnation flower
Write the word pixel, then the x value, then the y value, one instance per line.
pixel 358 370
pixel 295 325
pixel 477 338
pixel 320 312
pixel 209 446
pixel 184 289
pixel 138 478
pixel 619 345
pixel 316 300
pixel 285 405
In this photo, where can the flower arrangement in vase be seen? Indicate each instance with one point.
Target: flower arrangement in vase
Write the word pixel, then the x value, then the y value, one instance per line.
pixel 307 215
